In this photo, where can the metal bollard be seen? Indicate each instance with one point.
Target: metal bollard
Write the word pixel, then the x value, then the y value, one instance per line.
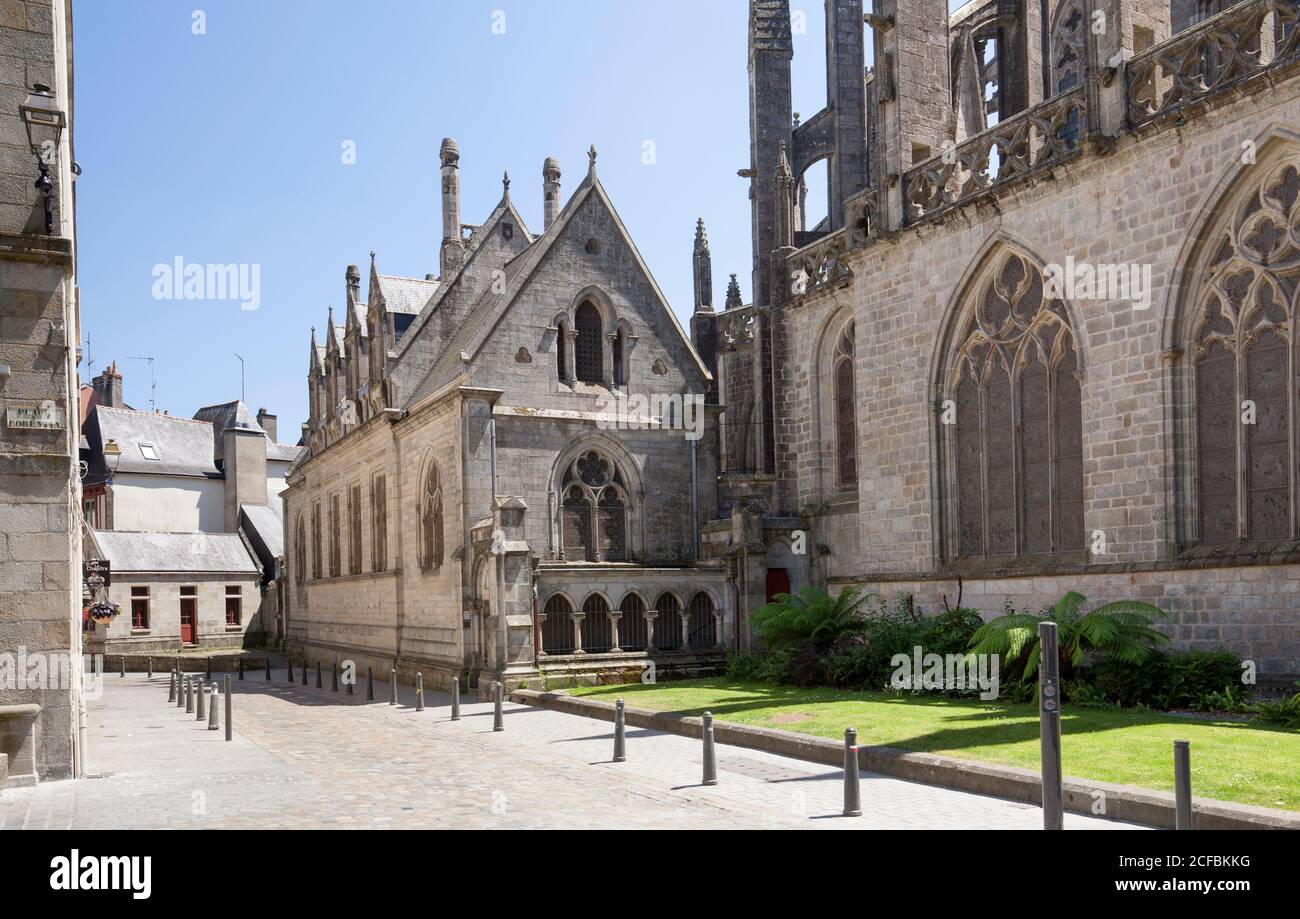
pixel 180 688
pixel 189 695
pixel 710 754
pixel 304 671
pixel 171 687
pixel 241 668
pixel 212 709
pixel 268 667
pixel 455 698
pixel 370 684
pixel 229 727
pixel 208 674
pixel 201 691
pixel 149 661
pixel 122 660
pixel 1182 785
pixel 1049 725
pixel 334 677
pixel 392 686
pixel 318 676
pixel 852 781
pixel 620 736
pixel 289 664
pixel 498 716
pixel 419 692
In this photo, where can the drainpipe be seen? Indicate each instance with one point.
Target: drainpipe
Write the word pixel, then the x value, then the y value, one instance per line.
pixel 492 435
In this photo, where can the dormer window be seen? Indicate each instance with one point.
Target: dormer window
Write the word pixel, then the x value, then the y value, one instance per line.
pixel 149 452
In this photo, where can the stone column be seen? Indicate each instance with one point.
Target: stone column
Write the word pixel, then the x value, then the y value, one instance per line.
pixel 717 629
pixel 650 618
pixel 513 598
pixel 686 629
pixel 577 632
pixel 614 619
pixel 541 647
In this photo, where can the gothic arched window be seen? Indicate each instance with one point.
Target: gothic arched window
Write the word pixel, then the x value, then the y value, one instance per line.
pixel 562 352
pixel 846 424
pixel 431 521
pixel 1067 47
pixel 1243 363
pixel 1013 422
pixel 594 510
pixel 588 350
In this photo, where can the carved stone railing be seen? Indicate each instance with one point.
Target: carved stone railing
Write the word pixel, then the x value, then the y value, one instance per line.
pixel 819 266
pixel 863 215
pixel 1021 145
pixel 1224 50
pixel 736 328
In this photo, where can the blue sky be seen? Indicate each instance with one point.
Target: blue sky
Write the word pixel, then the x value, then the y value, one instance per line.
pixel 227 147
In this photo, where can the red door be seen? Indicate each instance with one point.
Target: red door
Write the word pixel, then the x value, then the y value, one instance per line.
pixel 187 619
pixel 778 582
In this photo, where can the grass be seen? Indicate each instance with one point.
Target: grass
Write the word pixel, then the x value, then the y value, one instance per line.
pixel 1231 761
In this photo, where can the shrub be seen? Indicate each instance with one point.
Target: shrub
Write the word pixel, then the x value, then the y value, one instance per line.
pixel 1188 679
pixel 768 667
pixel 1283 713
pixel 811 616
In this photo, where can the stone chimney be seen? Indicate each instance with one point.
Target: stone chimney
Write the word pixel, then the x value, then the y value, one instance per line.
pixel 550 191
pixel 244 458
pixel 453 250
pixel 266 421
pixel 108 387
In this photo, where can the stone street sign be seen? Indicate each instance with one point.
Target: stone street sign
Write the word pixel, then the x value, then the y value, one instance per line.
pixel 43 416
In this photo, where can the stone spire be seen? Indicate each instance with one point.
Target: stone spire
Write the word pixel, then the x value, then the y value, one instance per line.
pixel 703 267
pixel 453 250
pixel 591 166
pixel 784 184
pixel 550 191
pixel 505 186
pixel 733 294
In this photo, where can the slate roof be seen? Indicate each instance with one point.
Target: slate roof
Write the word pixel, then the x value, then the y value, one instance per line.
pixel 196 553
pixel 183 447
pixel 264 527
pixel 282 453
pixel 406 295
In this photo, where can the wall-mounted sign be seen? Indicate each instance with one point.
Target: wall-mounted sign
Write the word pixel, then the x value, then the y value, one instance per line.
pixel 97 572
pixel 37 416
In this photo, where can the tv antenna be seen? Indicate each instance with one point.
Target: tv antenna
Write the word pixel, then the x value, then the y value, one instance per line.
pixel 153 382
pixel 241 377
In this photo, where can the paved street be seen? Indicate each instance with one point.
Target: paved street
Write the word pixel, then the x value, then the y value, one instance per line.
pixel 307 758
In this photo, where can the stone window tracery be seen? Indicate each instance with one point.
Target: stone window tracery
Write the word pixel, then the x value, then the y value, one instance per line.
pixel 431 520
pixel 594 510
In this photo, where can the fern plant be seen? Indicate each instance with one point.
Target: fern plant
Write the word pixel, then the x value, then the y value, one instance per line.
pixel 1122 631
pixel 810 616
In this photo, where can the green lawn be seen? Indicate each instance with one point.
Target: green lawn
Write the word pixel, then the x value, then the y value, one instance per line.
pixel 1230 761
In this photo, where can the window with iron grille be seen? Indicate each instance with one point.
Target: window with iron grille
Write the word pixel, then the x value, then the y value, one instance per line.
pixel 354 529
pixel 702 627
pixel 300 552
pixel 557 629
pixel 315 541
pixel 379 522
pixel 588 349
pixel 234 605
pixel 140 608
pixel 846 424
pixel 431 524
pixel 594 514
pixel 336 546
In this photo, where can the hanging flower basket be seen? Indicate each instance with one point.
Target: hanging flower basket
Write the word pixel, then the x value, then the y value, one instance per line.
pixel 104 612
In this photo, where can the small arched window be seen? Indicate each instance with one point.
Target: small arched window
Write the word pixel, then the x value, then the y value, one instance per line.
pixel 620 348
pixel 431 522
pixel 597 631
pixel 703 627
pixel 632 630
pixel 846 424
pixel 588 352
pixel 562 353
pixel 594 511
pixel 557 630
pixel 668 623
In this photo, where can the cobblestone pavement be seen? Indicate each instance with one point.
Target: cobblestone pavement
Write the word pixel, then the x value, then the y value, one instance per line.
pixel 308 758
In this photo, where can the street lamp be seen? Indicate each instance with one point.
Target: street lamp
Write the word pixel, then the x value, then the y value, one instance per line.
pixel 112 456
pixel 44 121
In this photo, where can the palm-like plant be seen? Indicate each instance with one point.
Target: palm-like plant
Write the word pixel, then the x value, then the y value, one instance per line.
pixel 811 615
pixel 1122 631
